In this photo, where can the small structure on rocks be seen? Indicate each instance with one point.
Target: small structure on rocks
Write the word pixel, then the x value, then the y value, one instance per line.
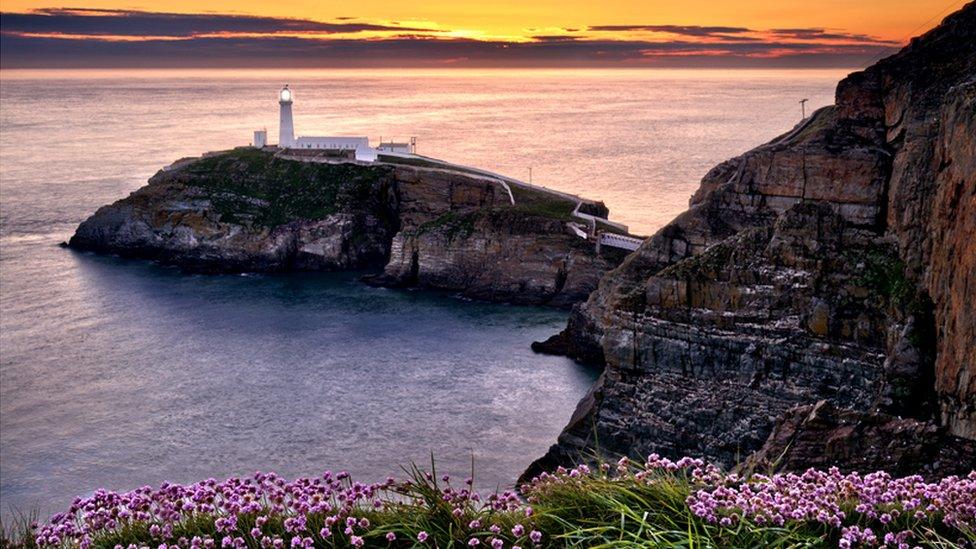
pixel 341 146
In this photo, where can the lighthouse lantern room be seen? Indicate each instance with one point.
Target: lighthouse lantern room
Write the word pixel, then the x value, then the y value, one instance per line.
pixel 286 124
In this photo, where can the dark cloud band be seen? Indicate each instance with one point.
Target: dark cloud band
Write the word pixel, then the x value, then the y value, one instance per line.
pixel 408 51
pixel 141 23
pixel 823 34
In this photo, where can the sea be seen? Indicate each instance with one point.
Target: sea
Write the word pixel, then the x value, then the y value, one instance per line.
pixel 120 373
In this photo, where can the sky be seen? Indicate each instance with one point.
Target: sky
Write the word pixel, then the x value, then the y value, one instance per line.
pixel 441 33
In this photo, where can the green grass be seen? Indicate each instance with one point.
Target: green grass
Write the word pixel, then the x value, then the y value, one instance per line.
pixel 608 228
pixel 453 224
pixel 541 203
pixel 250 186
pixel 823 119
pixel 418 162
pixel 424 162
pixel 884 275
pixel 18 533
pixel 604 513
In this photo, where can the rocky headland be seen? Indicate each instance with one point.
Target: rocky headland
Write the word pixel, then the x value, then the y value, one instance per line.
pixel 816 304
pixel 411 223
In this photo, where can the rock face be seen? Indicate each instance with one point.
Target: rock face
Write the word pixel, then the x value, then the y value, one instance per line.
pixel 251 210
pixel 471 239
pixel 951 275
pixel 246 211
pixel 836 263
pixel 821 435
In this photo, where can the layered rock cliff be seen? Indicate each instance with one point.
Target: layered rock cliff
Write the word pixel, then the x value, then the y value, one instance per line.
pixel 836 263
pixel 259 210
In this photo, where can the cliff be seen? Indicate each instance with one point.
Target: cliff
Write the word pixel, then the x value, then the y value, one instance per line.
pixel 835 263
pixel 258 210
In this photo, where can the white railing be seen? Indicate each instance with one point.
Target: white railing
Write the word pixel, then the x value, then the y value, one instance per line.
pixel 578 231
pixel 628 243
pixel 466 170
pixel 594 219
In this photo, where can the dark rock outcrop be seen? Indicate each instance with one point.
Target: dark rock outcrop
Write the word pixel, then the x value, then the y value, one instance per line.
pixel 464 234
pixel 254 210
pixel 822 435
pixel 834 263
pixel 247 211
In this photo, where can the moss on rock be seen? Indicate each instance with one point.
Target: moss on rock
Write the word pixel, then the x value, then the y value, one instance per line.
pixel 250 186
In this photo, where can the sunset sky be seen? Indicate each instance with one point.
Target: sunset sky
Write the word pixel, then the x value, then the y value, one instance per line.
pixel 556 33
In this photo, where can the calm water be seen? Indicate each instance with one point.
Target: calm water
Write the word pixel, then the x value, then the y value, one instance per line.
pixel 120 373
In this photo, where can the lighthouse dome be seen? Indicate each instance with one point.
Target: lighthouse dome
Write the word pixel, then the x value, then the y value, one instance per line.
pixel 285 95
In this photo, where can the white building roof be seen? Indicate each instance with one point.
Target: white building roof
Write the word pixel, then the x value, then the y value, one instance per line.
pixel 334 142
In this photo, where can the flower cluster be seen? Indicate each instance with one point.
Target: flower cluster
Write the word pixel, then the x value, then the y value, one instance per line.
pixel 269 512
pixel 869 510
pixel 266 511
pixel 872 510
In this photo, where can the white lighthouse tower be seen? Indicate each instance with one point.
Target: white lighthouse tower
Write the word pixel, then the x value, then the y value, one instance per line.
pixel 286 125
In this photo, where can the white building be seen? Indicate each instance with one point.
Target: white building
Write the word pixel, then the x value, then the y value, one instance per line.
pixel 358 144
pixel 405 148
pixel 287 140
pixel 260 138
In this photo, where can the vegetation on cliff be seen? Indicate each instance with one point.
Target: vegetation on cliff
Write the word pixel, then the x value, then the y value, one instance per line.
pixel 660 503
pixel 534 202
pixel 254 187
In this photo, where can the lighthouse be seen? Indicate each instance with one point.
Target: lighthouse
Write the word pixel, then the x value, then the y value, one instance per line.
pixel 286 125
pixel 335 147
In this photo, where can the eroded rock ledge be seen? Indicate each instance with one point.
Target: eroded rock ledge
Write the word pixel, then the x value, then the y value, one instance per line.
pixel 836 263
pixel 254 210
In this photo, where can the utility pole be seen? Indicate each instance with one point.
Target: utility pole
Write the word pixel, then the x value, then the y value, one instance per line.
pixel 803 109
